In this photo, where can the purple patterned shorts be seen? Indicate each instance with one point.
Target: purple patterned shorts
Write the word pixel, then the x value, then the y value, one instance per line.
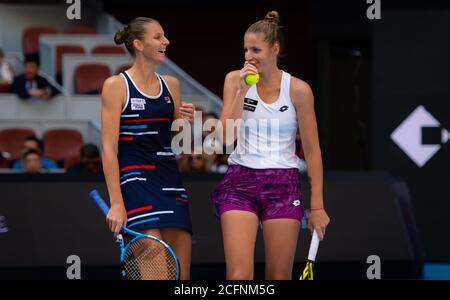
pixel 268 193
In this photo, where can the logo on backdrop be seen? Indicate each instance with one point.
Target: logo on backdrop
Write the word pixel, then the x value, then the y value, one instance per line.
pixel 74 10
pixel 74 269
pixel 374 270
pixel 420 136
pixel 374 10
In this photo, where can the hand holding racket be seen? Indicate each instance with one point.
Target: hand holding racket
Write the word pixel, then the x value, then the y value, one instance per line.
pixel 308 271
pixel 145 256
pixel 116 218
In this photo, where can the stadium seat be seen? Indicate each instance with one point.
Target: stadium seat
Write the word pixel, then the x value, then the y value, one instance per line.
pixel 5 87
pixel 71 160
pixel 31 38
pixel 11 140
pixel 123 68
pixel 80 30
pixel 89 78
pixel 108 49
pixel 62 144
pixel 65 49
pixel 4 164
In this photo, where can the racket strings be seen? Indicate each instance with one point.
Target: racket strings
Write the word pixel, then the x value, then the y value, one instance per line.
pixel 148 259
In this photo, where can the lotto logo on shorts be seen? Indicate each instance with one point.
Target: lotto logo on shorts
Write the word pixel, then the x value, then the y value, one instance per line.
pixel 137 104
pixel 296 202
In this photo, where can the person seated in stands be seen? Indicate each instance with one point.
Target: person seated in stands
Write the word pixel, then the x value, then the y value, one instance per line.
pixel 31 84
pixel 33 143
pixel 90 161
pixel 6 72
pixel 220 164
pixel 32 161
pixel 197 163
pixel 3 158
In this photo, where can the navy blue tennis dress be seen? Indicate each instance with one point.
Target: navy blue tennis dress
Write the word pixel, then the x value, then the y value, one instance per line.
pixel 150 182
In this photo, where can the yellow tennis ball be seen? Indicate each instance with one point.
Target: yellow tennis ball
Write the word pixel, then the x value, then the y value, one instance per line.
pixel 252 79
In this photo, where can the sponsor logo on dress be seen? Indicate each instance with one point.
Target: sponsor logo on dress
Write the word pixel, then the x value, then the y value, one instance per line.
pixel 137 104
pixel 250 104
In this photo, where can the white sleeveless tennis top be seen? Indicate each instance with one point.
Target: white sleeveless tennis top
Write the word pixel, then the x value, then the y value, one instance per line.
pixel 266 139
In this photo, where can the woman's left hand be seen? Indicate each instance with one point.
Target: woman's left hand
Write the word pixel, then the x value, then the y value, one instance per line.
pixel 187 111
pixel 318 221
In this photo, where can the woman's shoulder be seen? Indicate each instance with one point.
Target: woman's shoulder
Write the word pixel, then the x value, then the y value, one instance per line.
pixel 115 81
pixel 171 80
pixel 114 87
pixel 300 90
pixel 298 84
pixel 232 75
pixel 232 79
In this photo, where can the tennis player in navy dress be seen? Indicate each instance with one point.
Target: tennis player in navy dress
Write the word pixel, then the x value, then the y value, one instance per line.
pixel 138 108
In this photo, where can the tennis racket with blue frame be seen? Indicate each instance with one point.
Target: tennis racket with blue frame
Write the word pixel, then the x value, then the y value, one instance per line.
pixel 144 257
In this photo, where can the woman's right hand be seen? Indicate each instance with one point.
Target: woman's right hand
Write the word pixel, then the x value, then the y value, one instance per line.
pixel 246 70
pixel 116 218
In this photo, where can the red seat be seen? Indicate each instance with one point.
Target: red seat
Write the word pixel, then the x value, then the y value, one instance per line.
pixel 11 140
pixel 62 144
pixel 66 49
pixel 108 49
pixel 80 30
pixel 123 68
pixel 5 87
pixel 31 38
pixel 71 161
pixel 5 164
pixel 89 78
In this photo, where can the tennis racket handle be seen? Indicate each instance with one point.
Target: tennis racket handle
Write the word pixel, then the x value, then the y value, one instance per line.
pixel 313 247
pixel 97 199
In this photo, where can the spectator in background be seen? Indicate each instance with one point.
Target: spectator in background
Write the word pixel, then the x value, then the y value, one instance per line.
pixel 200 162
pixel 6 72
pixel 31 84
pixel 32 161
pixel 183 163
pixel 197 163
pixel 90 161
pixel 220 164
pixel 3 158
pixel 33 143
